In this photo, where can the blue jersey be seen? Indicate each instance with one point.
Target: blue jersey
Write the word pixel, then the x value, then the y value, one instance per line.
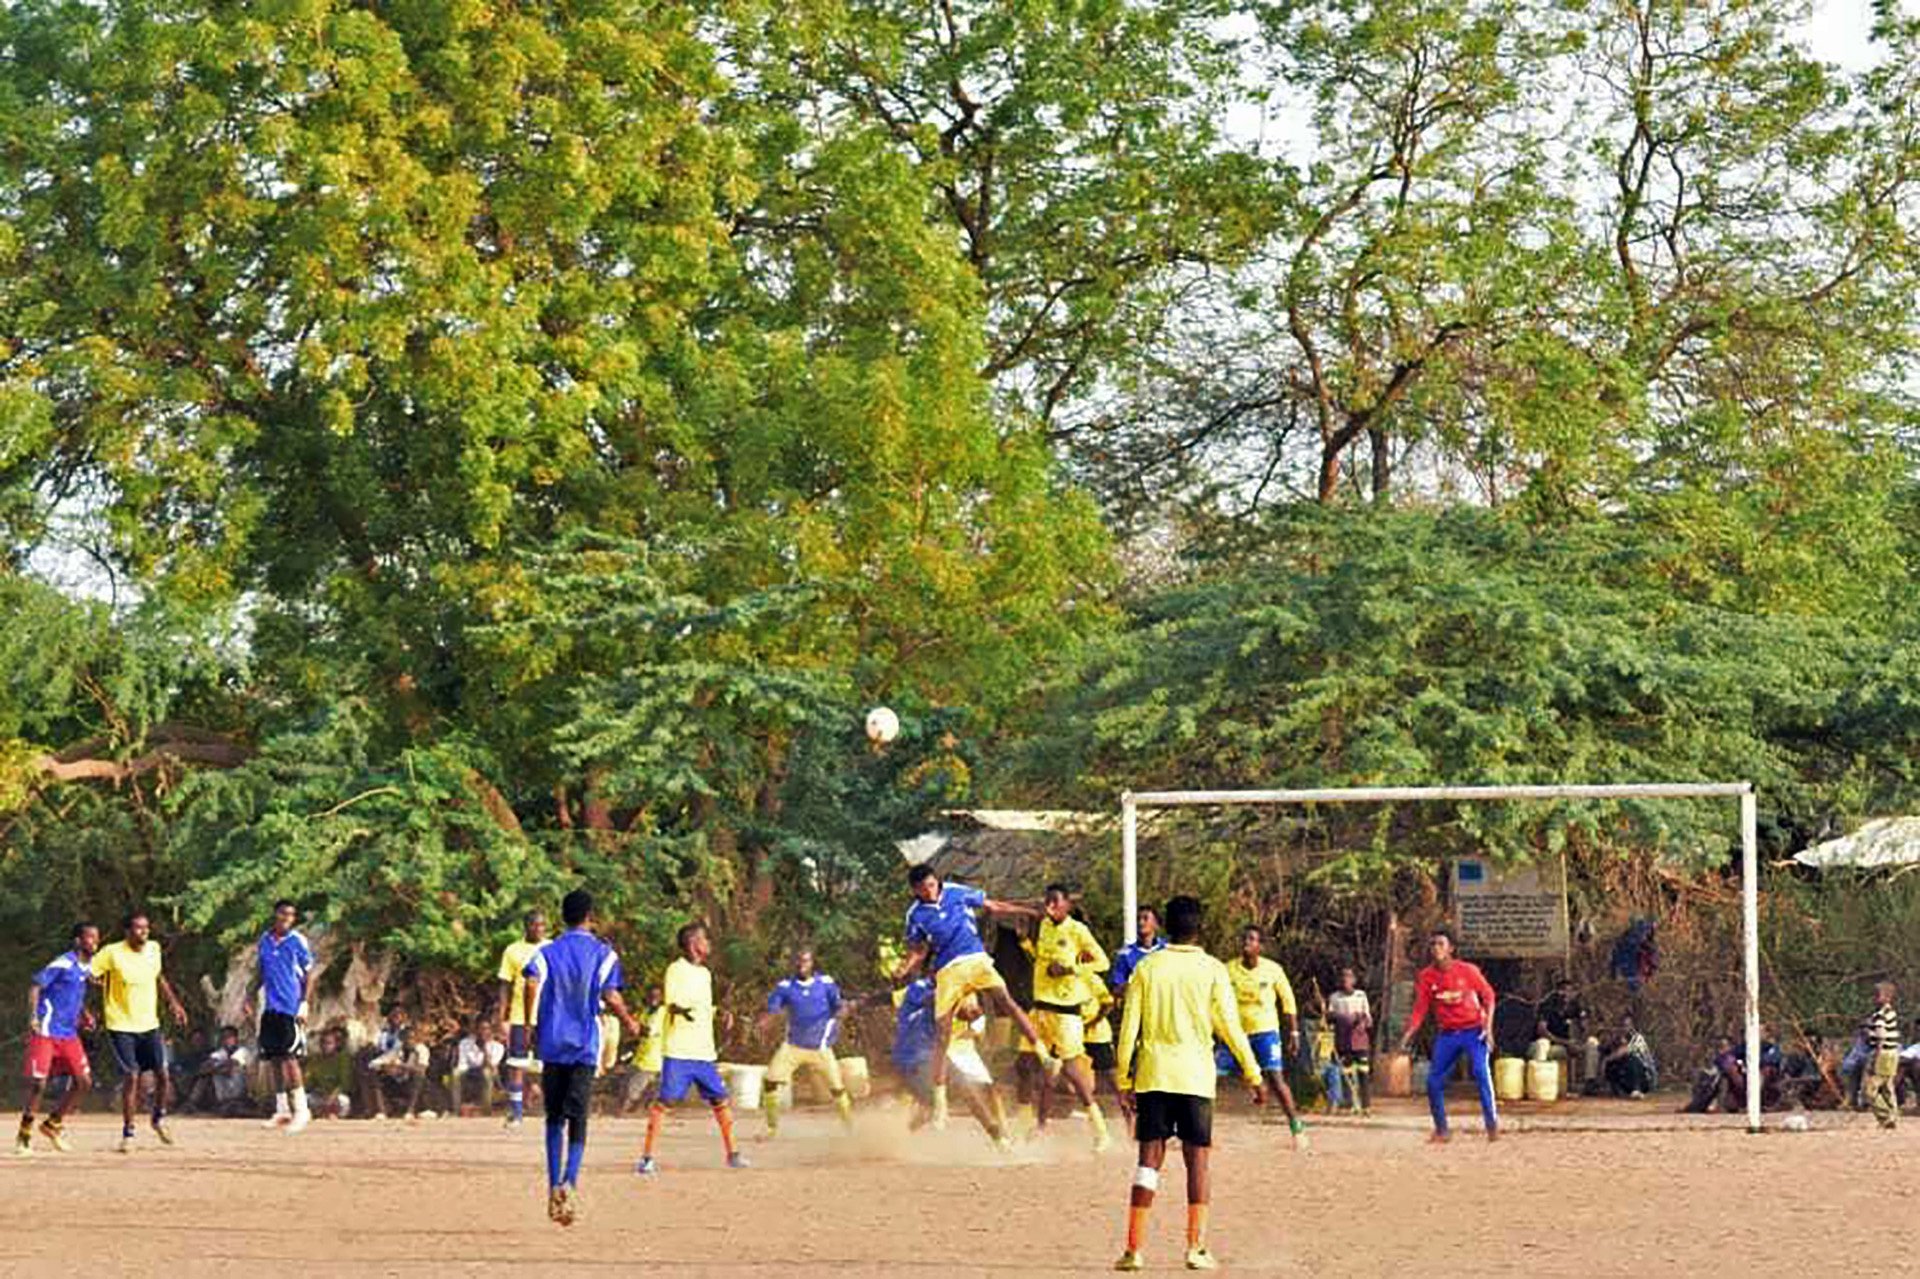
pixel 812 1007
pixel 284 965
pixel 63 991
pixel 947 925
pixel 1125 960
pixel 574 970
pixel 913 1029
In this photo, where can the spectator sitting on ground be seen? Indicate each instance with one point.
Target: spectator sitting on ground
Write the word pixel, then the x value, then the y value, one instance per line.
pixel 1853 1071
pixel 1711 1078
pixel 220 1084
pixel 477 1064
pixel 185 1066
pixel 401 1072
pixel 1566 1026
pixel 1808 1078
pixel 1629 1068
pixel 329 1076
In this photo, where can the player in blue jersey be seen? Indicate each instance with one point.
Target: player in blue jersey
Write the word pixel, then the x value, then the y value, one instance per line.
pixel 915 1037
pixel 1147 930
pixel 811 1001
pixel 57 1001
pixel 287 975
pixel 943 938
pixel 568 980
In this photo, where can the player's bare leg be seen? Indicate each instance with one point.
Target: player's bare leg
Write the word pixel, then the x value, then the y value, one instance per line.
pixel 942 1035
pixel 1199 1195
pixel 1277 1086
pixel 23 1142
pixel 1004 1004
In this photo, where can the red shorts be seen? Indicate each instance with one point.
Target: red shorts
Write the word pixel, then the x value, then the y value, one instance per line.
pixel 49 1056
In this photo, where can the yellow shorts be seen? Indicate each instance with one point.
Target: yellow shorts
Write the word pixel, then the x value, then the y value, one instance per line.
pixel 968 975
pixel 788 1058
pixel 1062 1035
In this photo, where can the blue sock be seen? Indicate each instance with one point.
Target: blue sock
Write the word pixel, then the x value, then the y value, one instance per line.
pixel 556 1134
pixel 576 1151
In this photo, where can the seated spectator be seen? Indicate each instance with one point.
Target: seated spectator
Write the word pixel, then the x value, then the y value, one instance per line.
pixel 1629 1068
pixel 400 1072
pixel 220 1084
pixel 1711 1081
pixel 329 1076
pixel 185 1065
pixel 1772 1064
pixel 477 1065
pixel 1806 1079
pixel 1853 1071
pixel 1566 1022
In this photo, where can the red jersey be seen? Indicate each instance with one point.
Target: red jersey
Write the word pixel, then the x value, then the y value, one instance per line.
pixel 1460 997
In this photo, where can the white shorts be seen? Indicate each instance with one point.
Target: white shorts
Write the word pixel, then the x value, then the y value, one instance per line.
pixel 964 1062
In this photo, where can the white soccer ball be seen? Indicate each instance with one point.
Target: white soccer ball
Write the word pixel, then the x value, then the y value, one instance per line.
pixel 1794 1123
pixel 882 725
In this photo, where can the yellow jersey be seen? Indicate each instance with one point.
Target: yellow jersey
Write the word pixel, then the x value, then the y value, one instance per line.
pixel 1179 1000
pixel 1099 1027
pixel 1255 989
pixel 1068 942
pixel 513 967
pixel 131 985
pixel 690 986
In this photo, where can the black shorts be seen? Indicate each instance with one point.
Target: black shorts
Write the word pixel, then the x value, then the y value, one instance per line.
pixel 1102 1056
pixel 138 1052
pixel 281 1037
pixel 566 1090
pixel 1160 1116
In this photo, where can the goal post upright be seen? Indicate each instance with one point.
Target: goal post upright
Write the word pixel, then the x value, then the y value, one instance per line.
pixel 1131 802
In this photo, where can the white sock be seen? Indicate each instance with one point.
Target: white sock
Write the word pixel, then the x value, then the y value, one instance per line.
pixel 300 1101
pixel 279 1104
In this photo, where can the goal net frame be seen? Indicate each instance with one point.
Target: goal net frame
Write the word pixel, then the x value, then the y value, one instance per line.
pixel 1132 802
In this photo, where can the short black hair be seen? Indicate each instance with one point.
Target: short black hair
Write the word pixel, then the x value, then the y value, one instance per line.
pixel 229 1030
pixel 1183 918
pixel 535 913
pixel 1148 910
pixel 79 928
pixel 126 924
pixel 1057 890
pixel 921 874
pixel 1444 931
pixel 285 903
pixel 686 933
pixel 1255 929
pixel 575 907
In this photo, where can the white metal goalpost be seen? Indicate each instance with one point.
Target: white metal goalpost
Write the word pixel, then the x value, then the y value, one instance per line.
pixel 1132 802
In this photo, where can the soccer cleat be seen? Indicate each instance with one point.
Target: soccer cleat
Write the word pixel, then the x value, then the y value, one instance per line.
pixel 514 1122
pixel 300 1120
pixel 1102 1142
pixel 737 1160
pixel 1301 1142
pixel 125 1146
pixel 23 1143
pixel 1198 1258
pixel 553 1203
pixel 161 1131
pixel 647 1167
pixel 1130 1260
pixel 568 1207
pixel 56 1136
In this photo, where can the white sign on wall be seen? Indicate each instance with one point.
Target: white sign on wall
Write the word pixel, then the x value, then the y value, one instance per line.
pixel 1510 914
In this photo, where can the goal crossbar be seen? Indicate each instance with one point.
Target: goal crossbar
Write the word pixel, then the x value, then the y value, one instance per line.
pixel 1131 802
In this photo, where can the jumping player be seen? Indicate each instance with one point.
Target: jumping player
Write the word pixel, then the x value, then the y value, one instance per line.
pixel 130 976
pixel 1462 1004
pixel 568 981
pixel 1178 1002
pixel 57 1001
pixel 690 1051
pixel 914 1037
pixel 287 975
pixel 811 1002
pixel 1067 962
pixel 941 935
pixel 1258 984
pixel 519 1011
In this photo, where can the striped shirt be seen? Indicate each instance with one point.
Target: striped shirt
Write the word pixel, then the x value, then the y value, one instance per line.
pixel 1882 1029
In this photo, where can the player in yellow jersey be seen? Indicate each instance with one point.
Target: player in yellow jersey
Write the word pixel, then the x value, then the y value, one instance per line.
pixel 1178 1002
pixel 521 1033
pixel 1096 1015
pixel 1067 963
pixel 1259 985
pixel 129 974
pixel 691 1057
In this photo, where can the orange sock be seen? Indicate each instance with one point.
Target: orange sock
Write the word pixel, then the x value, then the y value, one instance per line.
pixel 723 1115
pixel 1137 1225
pixel 1196 1225
pixel 655 1113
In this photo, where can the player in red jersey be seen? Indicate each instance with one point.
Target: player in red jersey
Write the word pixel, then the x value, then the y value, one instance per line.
pixel 1462 1004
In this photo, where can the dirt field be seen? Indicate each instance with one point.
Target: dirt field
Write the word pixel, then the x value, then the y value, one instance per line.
pixel 462 1196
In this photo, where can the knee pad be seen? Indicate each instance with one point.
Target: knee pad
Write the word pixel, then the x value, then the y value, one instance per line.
pixel 1146 1178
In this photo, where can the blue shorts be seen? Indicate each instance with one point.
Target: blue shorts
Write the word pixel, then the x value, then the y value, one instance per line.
pixel 1266 1054
pixel 677 1075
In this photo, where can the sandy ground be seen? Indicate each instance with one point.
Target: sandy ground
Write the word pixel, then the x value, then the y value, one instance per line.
pixel 1587 1189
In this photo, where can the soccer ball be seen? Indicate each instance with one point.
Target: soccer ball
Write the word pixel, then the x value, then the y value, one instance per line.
pixel 882 725
pixel 1794 1123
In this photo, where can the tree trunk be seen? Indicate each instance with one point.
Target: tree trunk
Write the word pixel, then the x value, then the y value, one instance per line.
pixel 1381 447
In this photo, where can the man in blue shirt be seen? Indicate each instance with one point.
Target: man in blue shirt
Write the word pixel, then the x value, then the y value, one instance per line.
pixel 568 980
pixel 943 938
pixel 58 998
pixel 811 1001
pixel 1147 927
pixel 287 975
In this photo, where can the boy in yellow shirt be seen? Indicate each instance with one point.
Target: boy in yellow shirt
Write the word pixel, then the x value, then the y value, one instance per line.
pixel 521 1031
pixel 1258 984
pixel 1067 962
pixel 690 1051
pixel 129 974
pixel 1179 1000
